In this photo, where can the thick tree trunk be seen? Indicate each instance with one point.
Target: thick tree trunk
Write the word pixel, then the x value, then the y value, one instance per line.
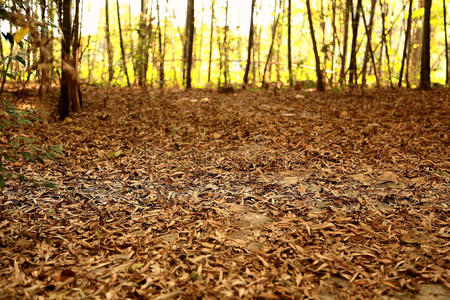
pixel 320 85
pixel 250 44
pixel 122 48
pixel 425 82
pixel 161 51
pixel 66 27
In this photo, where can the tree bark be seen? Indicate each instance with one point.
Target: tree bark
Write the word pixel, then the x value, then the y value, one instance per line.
pixel 108 44
pixel 385 42
pixel 405 48
pixel 352 81
pixel 269 55
pixel 347 10
pixel 447 71
pixel 250 44
pixel 122 48
pixel 225 46
pixel 66 27
pixel 189 41
pixel 369 50
pixel 211 41
pixel 289 41
pixel 320 85
pixel 425 82
pixel 161 52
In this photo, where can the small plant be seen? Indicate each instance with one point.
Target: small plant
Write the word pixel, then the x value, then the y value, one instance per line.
pixel 15 148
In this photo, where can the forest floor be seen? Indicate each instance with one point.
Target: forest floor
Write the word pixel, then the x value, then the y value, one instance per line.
pixel 252 194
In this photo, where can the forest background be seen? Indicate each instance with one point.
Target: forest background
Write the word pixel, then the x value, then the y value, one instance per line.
pixel 154 37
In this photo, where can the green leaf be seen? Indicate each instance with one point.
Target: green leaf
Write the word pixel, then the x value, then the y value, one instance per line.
pixel 2 181
pixel 49 185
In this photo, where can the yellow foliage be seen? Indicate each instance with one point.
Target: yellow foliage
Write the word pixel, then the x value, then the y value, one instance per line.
pixel 21 33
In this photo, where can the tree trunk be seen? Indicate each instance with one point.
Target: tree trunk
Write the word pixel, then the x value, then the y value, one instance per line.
pixel 211 41
pixel 269 55
pixel 352 81
pixel 385 42
pixel 447 71
pixel 405 48
pixel 289 41
pixel 66 27
pixel 161 52
pixel 189 41
pixel 122 48
pixel 225 47
pixel 250 45
pixel 347 10
pixel 320 85
pixel 425 82
pixel 142 51
pixel 109 48
pixel 369 51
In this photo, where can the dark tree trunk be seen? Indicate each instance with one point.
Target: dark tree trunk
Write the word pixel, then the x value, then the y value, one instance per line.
pixel 122 48
pixel 320 83
pixel 447 80
pixel 250 45
pixel 66 27
pixel 425 82
pixel 189 41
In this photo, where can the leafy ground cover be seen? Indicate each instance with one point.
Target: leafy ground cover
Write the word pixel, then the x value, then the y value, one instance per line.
pixel 200 194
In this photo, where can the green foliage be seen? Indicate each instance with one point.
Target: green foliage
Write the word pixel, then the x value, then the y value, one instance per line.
pixel 15 148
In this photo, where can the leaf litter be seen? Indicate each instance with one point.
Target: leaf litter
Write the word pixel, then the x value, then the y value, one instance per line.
pixel 198 194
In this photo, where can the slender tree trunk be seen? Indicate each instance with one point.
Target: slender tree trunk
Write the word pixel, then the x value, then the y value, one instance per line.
pixel 122 48
pixel 142 43
pixel 369 51
pixel 447 67
pixel 347 10
pixel 190 41
pixel 405 48
pixel 291 77
pixel 425 82
pixel 269 55
pixel 161 52
pixel 355 24
pixel 320 85
pixel 108 44
pixel 75 92
pixel 225 46
pixel 385 43
pixel 250 44
pixel 211 41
